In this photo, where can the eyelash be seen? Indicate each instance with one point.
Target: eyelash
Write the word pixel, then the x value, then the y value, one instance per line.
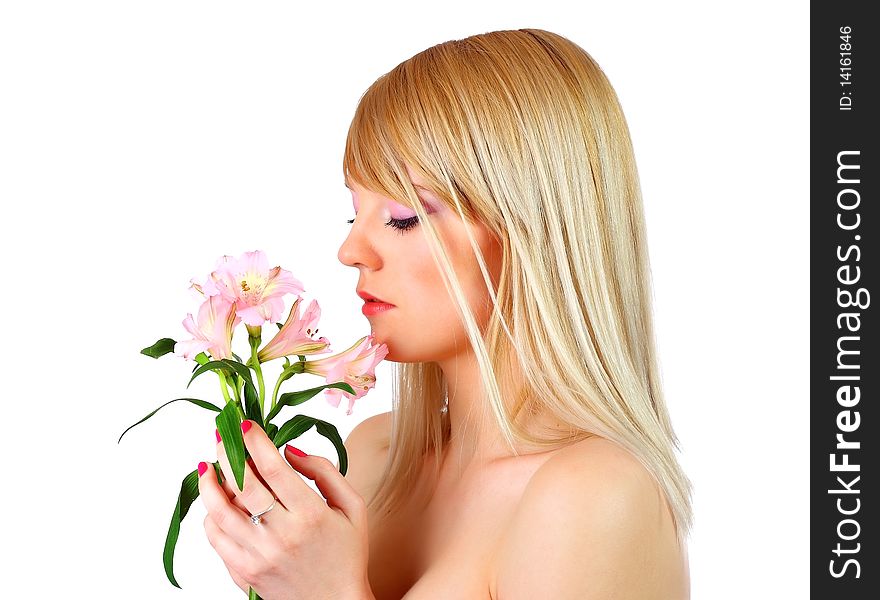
pixel 402 225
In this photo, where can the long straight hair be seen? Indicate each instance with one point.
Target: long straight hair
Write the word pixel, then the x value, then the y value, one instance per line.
pixel 521 131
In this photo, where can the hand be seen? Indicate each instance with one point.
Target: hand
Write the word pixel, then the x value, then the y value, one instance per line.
pixel 304 547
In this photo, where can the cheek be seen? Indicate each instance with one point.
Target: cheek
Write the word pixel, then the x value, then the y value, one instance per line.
pixel 427 326
pixel 472 281
pixel 444 315
pixel 424 282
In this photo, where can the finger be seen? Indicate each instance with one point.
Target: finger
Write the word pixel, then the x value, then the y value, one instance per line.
pixel 255 497
pixel 332 485
pixel 232 497
pixel 224 482
pixel 283 481
pixel 229 551
pixel 228 488
pixel 227 517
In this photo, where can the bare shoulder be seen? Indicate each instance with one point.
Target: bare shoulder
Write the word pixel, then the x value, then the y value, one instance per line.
pixel 367 447
pixel 374 432
pixel 592 523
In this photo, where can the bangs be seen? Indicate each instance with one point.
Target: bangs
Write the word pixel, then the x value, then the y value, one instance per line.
pixel 407 119
pixel 373 157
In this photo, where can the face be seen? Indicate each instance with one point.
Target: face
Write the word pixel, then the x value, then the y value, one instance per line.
pixel 389 248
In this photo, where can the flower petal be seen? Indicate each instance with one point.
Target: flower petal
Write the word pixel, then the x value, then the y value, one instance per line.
pixel 282 282
pixel 252 315
pixel 189 348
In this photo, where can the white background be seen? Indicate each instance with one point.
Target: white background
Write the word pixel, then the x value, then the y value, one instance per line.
pixel 141 141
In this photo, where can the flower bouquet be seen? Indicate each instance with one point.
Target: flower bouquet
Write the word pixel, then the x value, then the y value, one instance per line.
pixel 247 290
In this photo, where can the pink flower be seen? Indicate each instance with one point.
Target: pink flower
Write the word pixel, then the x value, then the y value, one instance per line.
pixel 256 290
pixel 356 367
pixel 212 333
pixel 207 289
pixel 295 336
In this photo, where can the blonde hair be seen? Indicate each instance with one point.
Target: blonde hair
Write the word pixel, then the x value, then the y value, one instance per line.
pixel 522 132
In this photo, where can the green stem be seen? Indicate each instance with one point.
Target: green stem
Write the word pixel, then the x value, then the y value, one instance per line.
pixel 224 382
pixel 275 394
pixel 235 384
pixel 254 338
pixel 252 595
pixel 223 386
pixel 259 371
pixel 299 367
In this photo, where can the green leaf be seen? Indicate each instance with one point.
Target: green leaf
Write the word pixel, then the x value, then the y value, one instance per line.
pixel 226 365
pixel 294 398
pixel 196 401
pixel 219 472
pixel 292 429
pixel 213 365
pixel 299 424
pixel 343 386
pixel 229 426
pixel 243 372
pixel 330 432
pixel 160 348
pixel 252 406
pixel 271 430
pixel 251 398
pixel 189 491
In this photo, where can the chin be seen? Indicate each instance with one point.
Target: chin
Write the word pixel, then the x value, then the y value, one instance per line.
pixel 397 352
pixel 379 338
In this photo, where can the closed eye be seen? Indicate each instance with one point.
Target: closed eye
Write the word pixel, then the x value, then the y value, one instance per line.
pixel 402 225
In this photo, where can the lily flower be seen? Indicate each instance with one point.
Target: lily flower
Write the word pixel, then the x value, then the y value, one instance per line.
pixel 356 366
pixel 256 290
pixel 212 332
pixel 295 336
pixel 207 289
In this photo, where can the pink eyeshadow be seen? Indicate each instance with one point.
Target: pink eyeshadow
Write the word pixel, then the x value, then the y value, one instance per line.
pixel 401 212
pixel 398 211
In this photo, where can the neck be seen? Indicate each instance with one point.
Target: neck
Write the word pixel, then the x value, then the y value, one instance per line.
pixel 473 432
pixel 475 438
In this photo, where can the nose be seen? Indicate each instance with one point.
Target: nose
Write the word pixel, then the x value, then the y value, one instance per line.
pixel 356 250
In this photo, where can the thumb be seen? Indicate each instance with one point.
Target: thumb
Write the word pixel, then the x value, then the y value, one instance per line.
pixel 333 486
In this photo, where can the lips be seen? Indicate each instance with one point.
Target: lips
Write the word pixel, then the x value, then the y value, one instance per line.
pixel 369 297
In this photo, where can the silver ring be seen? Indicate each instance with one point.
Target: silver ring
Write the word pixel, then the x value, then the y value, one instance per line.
pixel 257 518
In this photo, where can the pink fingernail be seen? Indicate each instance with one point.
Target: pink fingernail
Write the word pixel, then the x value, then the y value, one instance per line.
pixel 296 451
pixel 245 426
pixel 203 466
pixel 217 433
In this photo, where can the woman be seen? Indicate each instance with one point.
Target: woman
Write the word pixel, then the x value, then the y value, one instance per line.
pixel 529 452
